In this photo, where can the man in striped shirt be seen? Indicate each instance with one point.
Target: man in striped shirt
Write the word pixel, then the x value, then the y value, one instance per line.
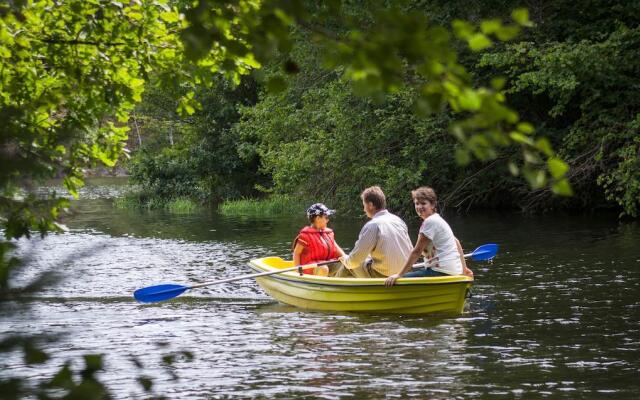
pixel 383 245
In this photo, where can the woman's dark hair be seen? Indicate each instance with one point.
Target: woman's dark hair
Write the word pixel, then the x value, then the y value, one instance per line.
pixel 375 196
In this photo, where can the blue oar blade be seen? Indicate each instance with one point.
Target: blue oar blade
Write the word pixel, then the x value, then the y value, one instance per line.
pixel 156 293
pixel 485 252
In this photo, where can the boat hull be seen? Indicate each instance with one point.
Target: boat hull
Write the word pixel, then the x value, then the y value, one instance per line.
pixel 446 294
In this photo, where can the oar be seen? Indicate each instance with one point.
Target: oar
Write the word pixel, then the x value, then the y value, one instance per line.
pixel 482 253
pixel 168 291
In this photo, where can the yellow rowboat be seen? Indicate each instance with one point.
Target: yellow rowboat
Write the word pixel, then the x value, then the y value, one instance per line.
pixel 440 294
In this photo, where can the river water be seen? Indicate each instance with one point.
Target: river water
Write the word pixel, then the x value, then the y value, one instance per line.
pixel 556 315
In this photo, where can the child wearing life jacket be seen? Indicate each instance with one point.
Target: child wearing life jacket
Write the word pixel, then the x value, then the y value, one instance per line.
pixel 316 243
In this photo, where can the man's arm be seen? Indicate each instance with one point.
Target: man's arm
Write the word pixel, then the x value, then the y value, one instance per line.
pixel 365 243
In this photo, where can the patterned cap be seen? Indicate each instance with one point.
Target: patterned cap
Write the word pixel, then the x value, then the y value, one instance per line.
pixel 319 209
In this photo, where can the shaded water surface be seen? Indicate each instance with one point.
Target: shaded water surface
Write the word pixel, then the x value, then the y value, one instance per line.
pixel 556 315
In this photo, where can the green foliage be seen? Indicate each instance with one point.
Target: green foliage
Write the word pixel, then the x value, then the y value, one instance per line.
pixel 622 183
pixel 181 206
pixel 165 175
pixel 576 90
pixel 135 200
pixel 142 200
pixel 583 93
pixel 75 70
pixel 72 73
pixel 68 71
pixel 379 49
pixel 202 159
pixel 327 144
pixel 271 206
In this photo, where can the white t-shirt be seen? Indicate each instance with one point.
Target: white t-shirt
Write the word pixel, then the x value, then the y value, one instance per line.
pixel 436 229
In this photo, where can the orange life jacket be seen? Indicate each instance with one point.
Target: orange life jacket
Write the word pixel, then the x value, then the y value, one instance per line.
pixel 318 245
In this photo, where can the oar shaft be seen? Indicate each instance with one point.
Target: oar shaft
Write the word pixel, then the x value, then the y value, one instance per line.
pixel 425 263
pixel 435 259
pixel 238 278
pixel 249 276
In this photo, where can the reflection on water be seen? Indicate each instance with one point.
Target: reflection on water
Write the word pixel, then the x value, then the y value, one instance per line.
pixel 557 314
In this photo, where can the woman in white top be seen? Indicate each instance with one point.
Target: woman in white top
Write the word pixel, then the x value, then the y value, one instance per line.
pixel 434 238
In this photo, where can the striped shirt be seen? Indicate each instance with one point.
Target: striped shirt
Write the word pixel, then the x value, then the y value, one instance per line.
pixel 385 239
